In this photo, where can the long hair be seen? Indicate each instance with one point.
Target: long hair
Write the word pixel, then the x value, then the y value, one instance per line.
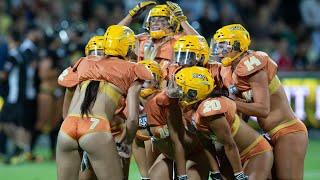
pixel 89 98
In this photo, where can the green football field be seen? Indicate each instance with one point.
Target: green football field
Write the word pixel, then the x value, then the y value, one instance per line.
pixel 47 171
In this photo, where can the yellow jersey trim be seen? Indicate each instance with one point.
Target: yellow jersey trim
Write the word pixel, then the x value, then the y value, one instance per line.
pixel 274 84
pixel 235 125
pixel 281 126
pixel 254 143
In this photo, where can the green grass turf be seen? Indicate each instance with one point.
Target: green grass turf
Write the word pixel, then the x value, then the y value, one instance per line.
pixel 47 171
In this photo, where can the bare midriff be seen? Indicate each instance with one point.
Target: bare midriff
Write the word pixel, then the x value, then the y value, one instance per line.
pixel 245 136
pixel 280 111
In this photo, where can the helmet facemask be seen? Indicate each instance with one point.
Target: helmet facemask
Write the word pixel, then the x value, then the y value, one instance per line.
pixel 95 46
pixel 96 52
pixel 229 43
pixel 224 52
pixel 185 58
pixel 160 22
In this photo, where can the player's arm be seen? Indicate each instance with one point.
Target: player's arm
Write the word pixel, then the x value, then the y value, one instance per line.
pixel 261 100
pixel 177 133
pixel 133 111
pixel 126 21
pixel 67 101
pixel 177 11
pixel 188 29
pixel 136 11
pixel 219 125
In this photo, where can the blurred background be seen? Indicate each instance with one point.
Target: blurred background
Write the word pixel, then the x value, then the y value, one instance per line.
pixel 39 38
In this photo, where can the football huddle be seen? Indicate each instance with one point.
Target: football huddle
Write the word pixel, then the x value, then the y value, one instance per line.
pixel 177 104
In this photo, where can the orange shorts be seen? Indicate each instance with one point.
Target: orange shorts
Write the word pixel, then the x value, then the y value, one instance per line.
pixel 260 145
pixel 292 126
pixel 75 126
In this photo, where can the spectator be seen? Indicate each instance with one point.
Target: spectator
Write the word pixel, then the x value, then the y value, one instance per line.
pixel 12 115
pixel 282 57
pixel 50 100
pixel 301 59
pixel 310 13
pixel 30 84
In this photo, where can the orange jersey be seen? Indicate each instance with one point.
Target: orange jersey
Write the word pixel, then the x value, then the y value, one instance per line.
pixel 119 72
pixel 156 109
pixel 215 106
pixel 165 48
pixel 215 70
pixel 250 64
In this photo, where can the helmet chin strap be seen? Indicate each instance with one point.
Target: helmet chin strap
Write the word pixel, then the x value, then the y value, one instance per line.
pixel 228 60
pixel 161 33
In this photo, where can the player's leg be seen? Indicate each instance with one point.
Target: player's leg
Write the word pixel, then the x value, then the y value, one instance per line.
pixel 161 169
pixel 139 153
pixel 198 166
pixel 67 157
pixel 259 167
pixel 151 152
pixel 103 155
pixel 87 174
pixel 125 162
pixel 286 147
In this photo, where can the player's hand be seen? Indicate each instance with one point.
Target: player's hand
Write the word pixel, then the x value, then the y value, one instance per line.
pixel 124 150
pixel 177 11
pixel 240 176
pixel 173 90
pixel 139 8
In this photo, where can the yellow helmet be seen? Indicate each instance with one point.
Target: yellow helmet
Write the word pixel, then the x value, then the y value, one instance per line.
pixel 155 68
pixel 191 50
pixel 118 40
pixel 95 43
pixel 231 37
pixel 161 11
pixel 196 84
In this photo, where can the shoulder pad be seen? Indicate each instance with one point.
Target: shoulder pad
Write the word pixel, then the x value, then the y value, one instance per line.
pixel 68 78
pixel 212 106
pixel 142 72
pixel 251 63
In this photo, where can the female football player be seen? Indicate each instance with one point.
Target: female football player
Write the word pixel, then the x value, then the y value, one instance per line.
pixel 252 75
pixel 163 24
pixel 170 138
pixel 97 84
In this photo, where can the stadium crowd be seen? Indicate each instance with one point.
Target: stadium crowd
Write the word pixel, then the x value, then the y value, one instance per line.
pixel 39 38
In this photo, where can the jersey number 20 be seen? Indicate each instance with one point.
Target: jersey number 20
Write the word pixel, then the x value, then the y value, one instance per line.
pixel 211 105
